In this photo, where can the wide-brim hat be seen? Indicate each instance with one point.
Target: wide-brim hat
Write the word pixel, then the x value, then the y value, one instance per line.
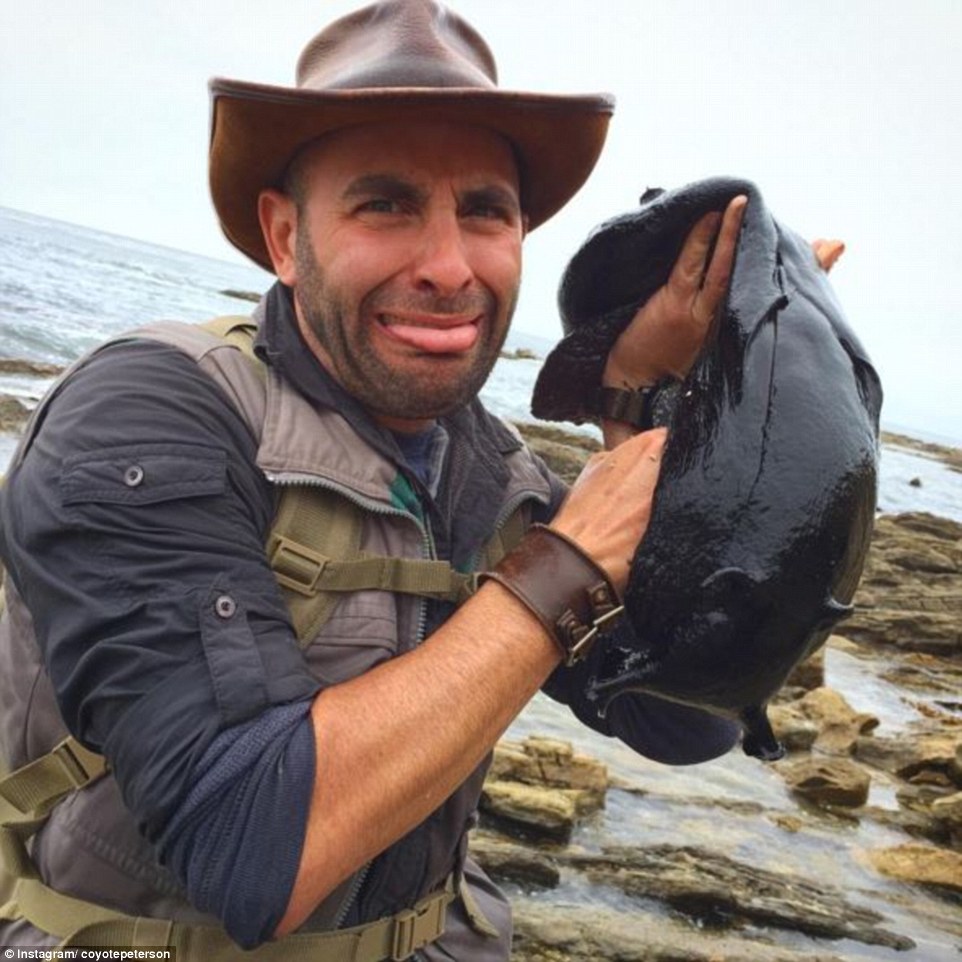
pixel 389 61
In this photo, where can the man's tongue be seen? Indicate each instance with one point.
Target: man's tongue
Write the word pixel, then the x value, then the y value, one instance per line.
pixel 434 340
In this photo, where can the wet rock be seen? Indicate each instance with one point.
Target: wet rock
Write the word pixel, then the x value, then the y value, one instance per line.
pixel 565 452
pixel 920 864
pixel 948 812
pixel 722 892
pixel 519 354
pixel 920 797
pixel 542 786
pixel 579 933
pixel 925 673
pixel 939 452
pixel 828 781
pixel 548 761
pixel 930 561
pixel 20 365
pixel 916 482
pixel 822 720
pixel 550 812
pixel 909 595
pixel 839 724
pixel 792 727
pixel 909 756
pixel 810 673
pixel 252 296
pixel 506 861
pixel 13 414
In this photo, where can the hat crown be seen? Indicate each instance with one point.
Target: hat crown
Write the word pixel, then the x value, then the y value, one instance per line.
pixel 397 43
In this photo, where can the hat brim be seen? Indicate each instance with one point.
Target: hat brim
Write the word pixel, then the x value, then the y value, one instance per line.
pixel 256 129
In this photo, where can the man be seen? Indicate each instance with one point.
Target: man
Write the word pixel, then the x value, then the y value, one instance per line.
pixel 256 787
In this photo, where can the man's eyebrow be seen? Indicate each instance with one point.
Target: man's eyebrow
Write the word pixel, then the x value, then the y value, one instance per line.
pixel 388 186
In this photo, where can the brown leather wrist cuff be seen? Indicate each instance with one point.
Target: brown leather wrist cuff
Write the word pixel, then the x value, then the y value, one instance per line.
pixel 568 593
pixel 631 406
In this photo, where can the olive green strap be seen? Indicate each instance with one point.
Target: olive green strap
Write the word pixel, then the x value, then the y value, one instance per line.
pixel 80 923
pixel 325 520
pixel 308 572
pixel 35 787
pixel 85 924
pixel 505 538
pixel 479 921
pixel 14 835
pixel 237 329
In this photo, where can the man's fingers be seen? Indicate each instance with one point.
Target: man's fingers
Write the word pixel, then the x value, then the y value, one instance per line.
pixel 827 252
pixel 686 275
pixel 609 506
pixel 719 271
pixel 704 266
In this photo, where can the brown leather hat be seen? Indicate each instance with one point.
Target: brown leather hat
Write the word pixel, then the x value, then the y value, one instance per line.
pixel 394 59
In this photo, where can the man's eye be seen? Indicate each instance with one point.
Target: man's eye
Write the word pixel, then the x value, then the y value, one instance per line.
pixel 380 205
pixel 488 212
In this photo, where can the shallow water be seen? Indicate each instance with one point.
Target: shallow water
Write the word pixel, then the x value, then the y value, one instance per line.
pixel 740 807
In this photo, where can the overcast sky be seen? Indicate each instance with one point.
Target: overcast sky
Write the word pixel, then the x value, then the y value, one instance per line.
pixel 846 113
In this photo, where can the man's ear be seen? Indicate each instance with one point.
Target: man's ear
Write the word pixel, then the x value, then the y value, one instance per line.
pixel 278 217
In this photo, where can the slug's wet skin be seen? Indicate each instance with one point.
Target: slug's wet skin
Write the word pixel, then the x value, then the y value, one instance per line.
pixel 764 508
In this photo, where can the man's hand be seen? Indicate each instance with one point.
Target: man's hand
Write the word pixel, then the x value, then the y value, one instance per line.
pixel 666 334
pixel 609 506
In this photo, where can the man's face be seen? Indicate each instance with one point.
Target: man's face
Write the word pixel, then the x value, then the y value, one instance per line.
pixel 407 263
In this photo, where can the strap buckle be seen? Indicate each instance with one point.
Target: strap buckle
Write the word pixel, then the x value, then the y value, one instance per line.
pixel 582 637
pixel 415 928
pixel 296 566
pixel 71 763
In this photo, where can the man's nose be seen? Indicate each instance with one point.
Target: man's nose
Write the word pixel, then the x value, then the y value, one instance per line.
pixel 442 263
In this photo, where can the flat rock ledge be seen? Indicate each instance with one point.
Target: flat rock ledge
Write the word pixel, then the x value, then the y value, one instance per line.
pixel 707 892
pixel 539 789
pixel 13 414
pixel 723 892
pixel 911 593
pixel 20 365
pixel 914 862
pixel 578 933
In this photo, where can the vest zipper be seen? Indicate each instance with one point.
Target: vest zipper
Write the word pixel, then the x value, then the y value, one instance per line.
pixel 359 879
pixel 427 551
pixel 290 479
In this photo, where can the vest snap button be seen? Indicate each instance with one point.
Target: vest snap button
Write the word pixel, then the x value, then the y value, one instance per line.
pixel 225 606
pixel 133 476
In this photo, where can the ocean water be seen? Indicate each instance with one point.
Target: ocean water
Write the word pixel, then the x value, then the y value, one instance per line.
pixel 64 288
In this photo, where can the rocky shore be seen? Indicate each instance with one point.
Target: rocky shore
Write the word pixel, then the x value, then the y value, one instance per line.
pixel 939 452
pixel 882 792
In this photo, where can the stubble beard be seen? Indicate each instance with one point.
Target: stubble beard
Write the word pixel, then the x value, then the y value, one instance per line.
pixel 429 392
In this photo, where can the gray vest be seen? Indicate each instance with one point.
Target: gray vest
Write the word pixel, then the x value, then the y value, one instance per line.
pixel 90 847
